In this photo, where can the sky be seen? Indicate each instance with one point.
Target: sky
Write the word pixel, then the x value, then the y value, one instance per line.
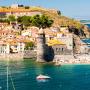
pixel 79 9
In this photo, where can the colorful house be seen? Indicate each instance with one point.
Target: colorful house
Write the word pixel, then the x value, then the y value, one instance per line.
pixel 58 46
pixel 11 46
pixel 67 38
pixel 4 47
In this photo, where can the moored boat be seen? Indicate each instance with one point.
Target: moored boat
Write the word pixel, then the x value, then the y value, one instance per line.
pixel 42 77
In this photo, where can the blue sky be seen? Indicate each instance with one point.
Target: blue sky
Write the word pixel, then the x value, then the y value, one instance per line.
pixel 73 8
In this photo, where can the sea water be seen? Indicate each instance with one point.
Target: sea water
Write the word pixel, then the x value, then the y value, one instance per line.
pixel 22 76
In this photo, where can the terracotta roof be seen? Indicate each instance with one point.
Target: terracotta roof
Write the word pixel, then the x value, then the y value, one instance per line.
pixel 2 43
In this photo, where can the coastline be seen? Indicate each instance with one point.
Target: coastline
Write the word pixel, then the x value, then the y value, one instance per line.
pixel 65 60
pixel 84 63
pixel 58 59
pixel 11 57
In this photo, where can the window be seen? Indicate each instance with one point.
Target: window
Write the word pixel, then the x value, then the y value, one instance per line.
pixel 62 49
pixel 56 49
pixel 59 49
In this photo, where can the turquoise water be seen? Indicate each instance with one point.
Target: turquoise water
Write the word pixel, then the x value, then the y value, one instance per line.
pixel 66 77
pixel 88 25
pixel 87 41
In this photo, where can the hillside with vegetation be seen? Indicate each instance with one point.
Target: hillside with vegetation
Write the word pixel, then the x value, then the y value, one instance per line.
pixel 53 15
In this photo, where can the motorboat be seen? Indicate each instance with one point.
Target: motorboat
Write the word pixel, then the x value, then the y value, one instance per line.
pixel 42 77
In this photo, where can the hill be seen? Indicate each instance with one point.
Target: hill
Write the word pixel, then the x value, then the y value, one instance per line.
pixel 55 15
pixel 59 19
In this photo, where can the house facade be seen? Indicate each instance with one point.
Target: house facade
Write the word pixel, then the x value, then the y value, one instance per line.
pixel 11 47
pixel 59 47
pixel 67 38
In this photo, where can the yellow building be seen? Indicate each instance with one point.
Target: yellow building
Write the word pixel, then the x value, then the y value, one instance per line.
pixel 58 46
pixel 54 42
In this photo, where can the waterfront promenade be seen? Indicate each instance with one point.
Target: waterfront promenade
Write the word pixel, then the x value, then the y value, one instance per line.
pixel 60 59
pixel 70 59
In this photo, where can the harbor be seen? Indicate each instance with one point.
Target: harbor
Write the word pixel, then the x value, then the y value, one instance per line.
pixel 64 77
pixel 44 45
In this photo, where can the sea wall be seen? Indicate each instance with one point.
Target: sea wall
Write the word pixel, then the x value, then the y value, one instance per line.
pixel 11 57
pixel 29 54
pixel 18 56
pixel 61 59
pixel 70 59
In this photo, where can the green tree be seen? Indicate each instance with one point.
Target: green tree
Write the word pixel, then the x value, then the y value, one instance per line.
pixel 4 21
pixel 25 20
pixel 29 45
pixel 41 21
pixel 27 7
pixel 11 18
pixel 59 12
pixel 19 19
pixel 35 21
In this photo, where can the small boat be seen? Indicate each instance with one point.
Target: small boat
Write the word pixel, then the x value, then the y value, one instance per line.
pixel 42 77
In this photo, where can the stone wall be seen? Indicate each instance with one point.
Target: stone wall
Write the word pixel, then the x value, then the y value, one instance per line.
pixel 29 54
pixel 61 50
pixel 11 57
pixel 18 56
pixel 63 59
